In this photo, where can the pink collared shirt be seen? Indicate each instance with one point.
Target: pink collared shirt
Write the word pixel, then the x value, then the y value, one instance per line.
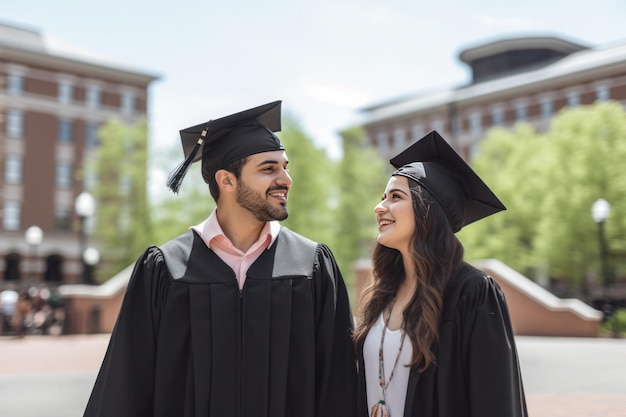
pixel 212 234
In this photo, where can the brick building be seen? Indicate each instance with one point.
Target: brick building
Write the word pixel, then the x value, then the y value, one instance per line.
pixel 51 106
pixel 516 79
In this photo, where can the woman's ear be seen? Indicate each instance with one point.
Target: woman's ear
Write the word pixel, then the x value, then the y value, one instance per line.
pixel 225 180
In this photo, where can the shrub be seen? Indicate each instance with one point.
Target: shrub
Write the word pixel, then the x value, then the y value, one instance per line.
pixel 616 324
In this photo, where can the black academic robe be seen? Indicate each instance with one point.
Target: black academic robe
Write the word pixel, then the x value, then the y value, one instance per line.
pixel 188 342
pixel 477 372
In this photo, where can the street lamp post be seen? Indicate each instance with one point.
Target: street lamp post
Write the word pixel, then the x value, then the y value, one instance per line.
pixel 85 206
pixel 91 257
pixel 34 237
pixel 600 212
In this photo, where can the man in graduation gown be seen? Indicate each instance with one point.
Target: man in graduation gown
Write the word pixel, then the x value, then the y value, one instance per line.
pixel 239 316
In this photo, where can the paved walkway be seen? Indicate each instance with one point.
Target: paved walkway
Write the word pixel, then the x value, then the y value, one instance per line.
pixel 564 377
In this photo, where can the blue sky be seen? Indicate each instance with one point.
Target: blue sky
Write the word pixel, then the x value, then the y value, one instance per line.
pixel 325 58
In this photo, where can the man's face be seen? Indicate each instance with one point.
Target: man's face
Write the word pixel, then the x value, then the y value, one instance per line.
pixel 263 186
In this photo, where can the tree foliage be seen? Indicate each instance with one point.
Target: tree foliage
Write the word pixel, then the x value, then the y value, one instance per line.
pixel 587 151
pixel 173 214
pixel 549 182
pixel 123 226
pixel 313 173
pixel 361 179
pixel 511 163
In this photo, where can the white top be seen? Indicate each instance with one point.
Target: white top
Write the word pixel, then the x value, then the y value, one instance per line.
pixel 396 391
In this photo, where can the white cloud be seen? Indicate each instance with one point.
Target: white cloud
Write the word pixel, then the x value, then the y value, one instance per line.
pixel 335 97
pixel 502 23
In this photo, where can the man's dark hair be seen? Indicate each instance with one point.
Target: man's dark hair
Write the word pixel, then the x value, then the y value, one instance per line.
pixel 233 167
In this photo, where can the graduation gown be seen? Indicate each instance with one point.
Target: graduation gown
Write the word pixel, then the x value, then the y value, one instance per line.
pixel 188 342
pixel 477 372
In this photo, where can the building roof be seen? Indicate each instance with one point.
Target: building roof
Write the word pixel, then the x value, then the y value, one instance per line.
pixel 27 45
pixel 585 61
pixel 483 50
pixel 21 37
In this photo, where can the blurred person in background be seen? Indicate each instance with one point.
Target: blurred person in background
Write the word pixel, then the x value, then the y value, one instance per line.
pixel 8 300
pixel 22 309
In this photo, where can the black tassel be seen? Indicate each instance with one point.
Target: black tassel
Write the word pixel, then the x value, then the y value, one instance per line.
pixel 176 177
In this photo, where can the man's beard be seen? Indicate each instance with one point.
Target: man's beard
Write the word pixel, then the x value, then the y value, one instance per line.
pixel 258 205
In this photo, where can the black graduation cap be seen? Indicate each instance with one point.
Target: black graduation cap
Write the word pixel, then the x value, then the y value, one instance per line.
pixel 436 166
pixel 228 139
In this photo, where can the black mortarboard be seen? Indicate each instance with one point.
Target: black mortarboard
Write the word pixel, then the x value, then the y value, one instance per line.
pixel 220 142
pixel 437 167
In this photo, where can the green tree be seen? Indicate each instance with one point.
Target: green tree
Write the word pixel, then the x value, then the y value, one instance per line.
pixel 173 214
pixel 548 183
pixel 310 198
pixel 123 226
pixel 361 179
pixel 587 148
pixel 513 164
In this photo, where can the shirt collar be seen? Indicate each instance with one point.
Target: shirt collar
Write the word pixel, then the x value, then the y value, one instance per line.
pixel 210 229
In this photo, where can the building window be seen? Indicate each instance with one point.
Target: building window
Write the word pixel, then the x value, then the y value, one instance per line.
pixel 399 137
pixel 437 125
pixel 572 99
pixel 66 92
pixel 603 93
pixel 11 215
pixel 128 103
pixel 65 131
pixel 546 108
pixel 15 84
pixel 64 176
pixel 475 122
pixel 497 116
pixel 93 96
pixel 90 177
pixel 417 131
pixel 15 123
pixel 91 135
pixel 13 169
pixel 383 142
pixel 62 219
pixel 520 112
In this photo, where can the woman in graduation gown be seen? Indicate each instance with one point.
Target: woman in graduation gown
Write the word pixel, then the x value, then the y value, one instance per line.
pixel 434 337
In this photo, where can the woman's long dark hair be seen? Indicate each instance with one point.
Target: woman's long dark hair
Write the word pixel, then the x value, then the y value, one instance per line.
pixel 437 254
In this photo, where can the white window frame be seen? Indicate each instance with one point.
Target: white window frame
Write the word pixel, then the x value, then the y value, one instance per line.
pixel 65 91
pixel 399 137
pixel 15 123
pixel 91 134
pixel 15 83
pixel 521 111
pixel 382 141
pixel 438 125
pixel 93 96
pixel 475 119
pixel 63 176
pixel 417 131
pixel 497 116
pixel 13 166
pixel 546 107
pixel 127 102
pixel 11 215
pixel 65 127
pixel 572 98
pixel 602 92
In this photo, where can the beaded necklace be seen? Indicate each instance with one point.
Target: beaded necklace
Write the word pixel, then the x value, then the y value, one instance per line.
pixel 381 409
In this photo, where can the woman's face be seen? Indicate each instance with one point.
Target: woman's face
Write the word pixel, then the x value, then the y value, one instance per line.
pixel 394 214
